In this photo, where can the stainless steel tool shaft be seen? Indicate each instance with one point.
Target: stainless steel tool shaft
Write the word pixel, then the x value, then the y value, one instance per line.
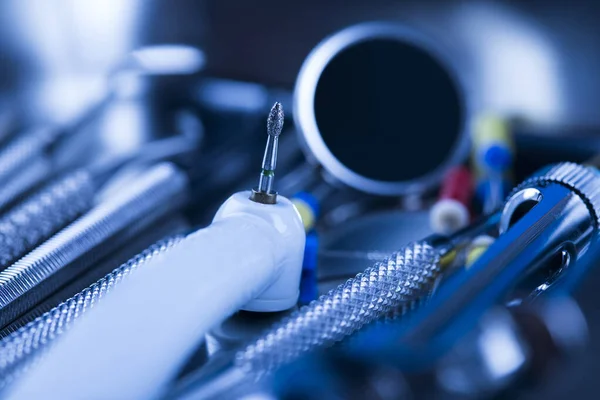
pixel 74 249
pixel 24 346
pixel 43 214
pixel 370 295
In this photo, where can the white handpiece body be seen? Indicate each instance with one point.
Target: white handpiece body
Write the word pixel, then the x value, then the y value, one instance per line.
pixel 134 342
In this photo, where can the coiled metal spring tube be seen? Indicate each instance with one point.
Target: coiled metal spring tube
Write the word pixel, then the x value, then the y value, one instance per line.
pixel 24 346
pixel 75 248
pixel 43 214
pixel 372 294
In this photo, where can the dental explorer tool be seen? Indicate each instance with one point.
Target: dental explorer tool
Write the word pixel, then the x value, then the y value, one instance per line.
pixel 249 258
pixel 24 162
pixel 553 213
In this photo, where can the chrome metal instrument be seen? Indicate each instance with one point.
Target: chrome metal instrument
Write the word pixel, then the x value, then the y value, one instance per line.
pixel 79 245
pixel 24 163
pixel 43 214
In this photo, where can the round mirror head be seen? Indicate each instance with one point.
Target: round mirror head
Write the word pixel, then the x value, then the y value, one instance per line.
pixel 381 110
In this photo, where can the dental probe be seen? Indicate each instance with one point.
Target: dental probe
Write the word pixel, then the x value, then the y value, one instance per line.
pixel 249 258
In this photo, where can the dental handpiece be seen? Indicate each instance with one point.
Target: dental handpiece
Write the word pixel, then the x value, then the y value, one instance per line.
pixel 249 258
pixel 77 247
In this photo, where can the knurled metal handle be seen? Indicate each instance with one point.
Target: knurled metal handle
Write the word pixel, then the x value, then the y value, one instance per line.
pixel 43 214
pixel 75 248
pixel 581 179
pixel 379 290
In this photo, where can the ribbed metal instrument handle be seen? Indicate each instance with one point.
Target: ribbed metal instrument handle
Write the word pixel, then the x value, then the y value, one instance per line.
pixel 152 195
pixel 43 214
pixel 583 180
pixel 379 290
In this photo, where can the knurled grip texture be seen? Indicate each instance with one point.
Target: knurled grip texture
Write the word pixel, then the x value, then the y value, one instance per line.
pixel 24 162
pixel 24 346
pixel 77 247
pixel 43 214
pixel 583 180
pixel 372 294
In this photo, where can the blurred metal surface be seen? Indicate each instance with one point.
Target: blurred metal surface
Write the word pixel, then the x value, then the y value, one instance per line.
pixel 549 51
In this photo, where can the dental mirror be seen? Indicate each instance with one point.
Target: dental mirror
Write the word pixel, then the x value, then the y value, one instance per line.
pixel 381 110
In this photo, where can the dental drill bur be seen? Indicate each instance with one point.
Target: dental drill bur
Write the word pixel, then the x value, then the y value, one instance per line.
pixel 264 192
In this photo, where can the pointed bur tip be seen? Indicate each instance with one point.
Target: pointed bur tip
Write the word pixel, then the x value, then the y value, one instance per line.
pixel 275 120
